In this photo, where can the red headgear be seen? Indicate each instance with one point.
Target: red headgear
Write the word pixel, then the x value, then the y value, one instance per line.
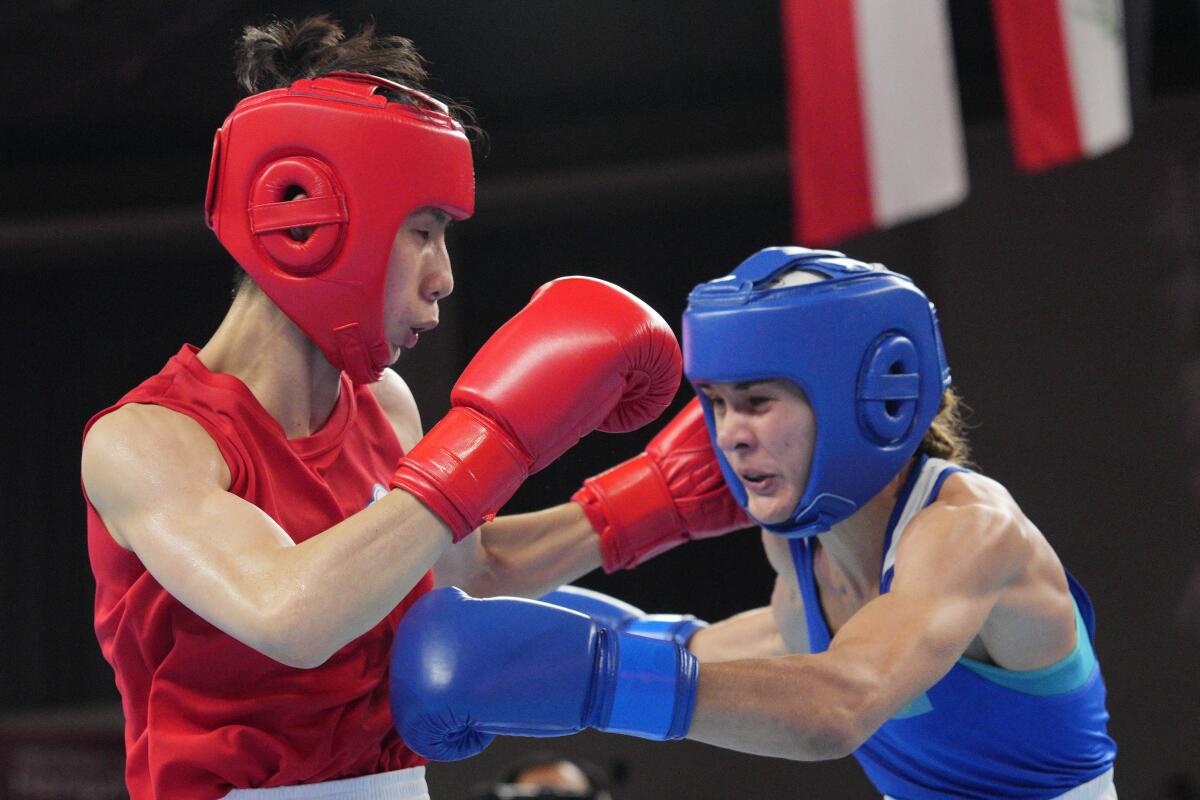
pixel 363 164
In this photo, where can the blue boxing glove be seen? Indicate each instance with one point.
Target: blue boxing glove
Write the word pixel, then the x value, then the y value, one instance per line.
pixel 623 617
pixel 464 670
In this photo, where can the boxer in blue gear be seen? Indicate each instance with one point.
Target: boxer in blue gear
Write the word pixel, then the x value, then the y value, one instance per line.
pixel 920 621
pixel 942 642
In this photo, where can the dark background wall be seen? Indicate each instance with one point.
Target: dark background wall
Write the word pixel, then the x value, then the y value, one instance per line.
pixel 641 142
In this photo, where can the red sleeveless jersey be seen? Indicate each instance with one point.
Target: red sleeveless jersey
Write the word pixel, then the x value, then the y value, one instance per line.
pixel 204 713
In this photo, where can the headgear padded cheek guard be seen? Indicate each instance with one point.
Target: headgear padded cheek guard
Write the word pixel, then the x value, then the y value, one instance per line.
pixel 363 164
pixel 864 346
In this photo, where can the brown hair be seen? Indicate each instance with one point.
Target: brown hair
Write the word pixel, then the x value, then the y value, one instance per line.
pixel 280 52
pixel 947 435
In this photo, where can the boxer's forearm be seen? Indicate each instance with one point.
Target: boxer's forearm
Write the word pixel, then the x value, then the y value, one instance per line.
pixel 382 552
pixel 795 707
pixel 523 555
pixel 751 634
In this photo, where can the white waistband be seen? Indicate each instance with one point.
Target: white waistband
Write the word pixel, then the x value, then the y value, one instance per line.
pixel 1099 788
pixel 401 784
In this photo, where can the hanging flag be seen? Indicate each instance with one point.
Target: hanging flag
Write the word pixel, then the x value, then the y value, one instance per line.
pixel 874 129
pixel 1065 78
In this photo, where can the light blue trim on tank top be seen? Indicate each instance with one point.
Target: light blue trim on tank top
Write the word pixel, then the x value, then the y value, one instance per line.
pixel 1059 678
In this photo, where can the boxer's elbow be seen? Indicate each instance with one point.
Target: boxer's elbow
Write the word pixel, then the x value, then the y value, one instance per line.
pixel 843 733
pixel 802 708
pixel 276 636
pixel 301 654
pixel 289 630
pixel 802 735
pixel 832 735
pixel 806 743
pixel 838 714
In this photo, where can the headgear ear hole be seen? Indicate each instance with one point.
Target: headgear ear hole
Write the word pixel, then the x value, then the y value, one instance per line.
pixel 888 389
pixel 301 235
pixel 297 234
pixel 895 407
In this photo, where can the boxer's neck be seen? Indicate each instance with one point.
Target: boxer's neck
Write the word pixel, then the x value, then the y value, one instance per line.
pixel 853 549
pixel 283 369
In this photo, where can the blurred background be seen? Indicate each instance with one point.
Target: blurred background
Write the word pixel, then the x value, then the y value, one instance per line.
pixel 644 142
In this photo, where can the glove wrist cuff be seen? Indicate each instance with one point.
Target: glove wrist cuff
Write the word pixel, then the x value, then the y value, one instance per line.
pixel 653 690
pixel 677 628
pixel 463 470
pixel 631 507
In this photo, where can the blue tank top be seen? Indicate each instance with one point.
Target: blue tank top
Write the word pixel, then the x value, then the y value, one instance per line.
pixel 981 731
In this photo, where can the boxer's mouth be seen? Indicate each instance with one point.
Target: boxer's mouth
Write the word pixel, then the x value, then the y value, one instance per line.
pixel 757 481
pixel 415 331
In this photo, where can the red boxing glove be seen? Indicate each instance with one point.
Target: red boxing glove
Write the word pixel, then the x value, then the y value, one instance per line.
pixel 584 354
pixel 670 494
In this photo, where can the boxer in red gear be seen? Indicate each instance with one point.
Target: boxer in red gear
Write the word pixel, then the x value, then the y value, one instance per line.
pixel 250 555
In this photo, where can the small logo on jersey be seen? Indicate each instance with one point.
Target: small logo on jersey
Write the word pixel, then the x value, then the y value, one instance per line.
pixel 377 493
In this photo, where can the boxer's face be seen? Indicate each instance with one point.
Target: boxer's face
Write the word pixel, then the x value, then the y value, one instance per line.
pixel 418 277
pixel 766 431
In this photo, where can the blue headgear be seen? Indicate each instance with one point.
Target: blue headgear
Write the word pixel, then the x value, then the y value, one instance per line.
pixel 863 344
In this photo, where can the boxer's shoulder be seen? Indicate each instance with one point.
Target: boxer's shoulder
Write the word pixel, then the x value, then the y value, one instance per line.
pixel 148 429
pixel 399 406
pixel 974 489
pixel 976 524
pixel 139 454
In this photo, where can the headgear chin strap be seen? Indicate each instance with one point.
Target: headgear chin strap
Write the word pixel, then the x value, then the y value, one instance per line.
pixel 863 344
pixel 363 164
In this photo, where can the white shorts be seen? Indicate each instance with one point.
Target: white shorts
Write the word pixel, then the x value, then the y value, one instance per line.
pixel 401 784
pixel 1099 788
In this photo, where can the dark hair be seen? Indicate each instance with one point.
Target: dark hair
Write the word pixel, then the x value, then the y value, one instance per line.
pixel 282 51
pixel 947 435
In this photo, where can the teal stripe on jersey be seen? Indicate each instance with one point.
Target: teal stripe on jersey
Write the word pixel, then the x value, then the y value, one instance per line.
pixel 1061 677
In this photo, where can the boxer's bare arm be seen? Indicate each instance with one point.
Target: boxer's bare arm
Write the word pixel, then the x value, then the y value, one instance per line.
pixel 750 634
pixel 954 565
pixel 779 629
pixel 525 555
pixel 775 630
pixel 160 484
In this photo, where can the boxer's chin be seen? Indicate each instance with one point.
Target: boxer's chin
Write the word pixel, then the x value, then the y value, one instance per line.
pixel 770 510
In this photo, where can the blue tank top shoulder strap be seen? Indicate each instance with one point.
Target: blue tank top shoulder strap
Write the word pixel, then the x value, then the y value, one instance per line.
pixel 814 615
pixel 924 482
pixel 920 484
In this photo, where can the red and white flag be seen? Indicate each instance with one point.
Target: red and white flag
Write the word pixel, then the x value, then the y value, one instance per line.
pixel 874 128
pixel 1065 78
